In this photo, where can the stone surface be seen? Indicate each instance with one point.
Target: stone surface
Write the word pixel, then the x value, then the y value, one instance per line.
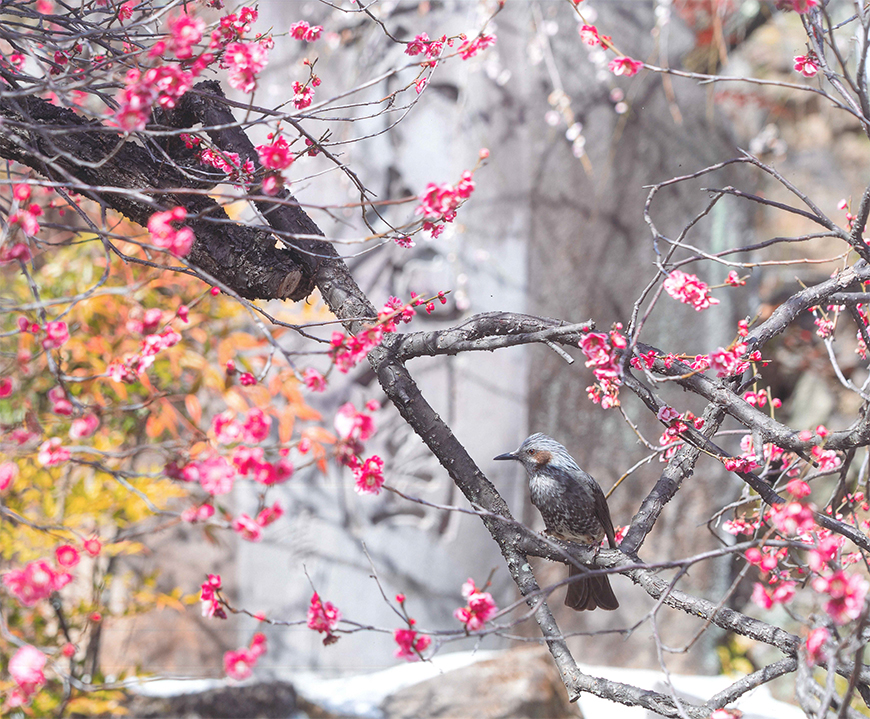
pixel 521 683
pixel 268 700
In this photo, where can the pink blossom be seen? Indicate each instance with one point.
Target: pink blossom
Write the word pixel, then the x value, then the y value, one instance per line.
pixel 792 518
pixel 798 489
pixel 165 235
pixel 799 6
pixel 17 251
pixel 214 474
pixel 56 333
pixel 244 61
pixel 480 607
pixel 195 514
pixel 26 668
pixel 211 606
pixel 734 279
pixel 247 528
pixel 589 34
pixel 689 290
pixel 470 48
pixel 226 429
pixel 51 452
pixel 727 363
pixel 36 581
pixel 67 556
pixel 847 593
pixel 246 379
pixel 314 381
pixel 93 545
pixel 816 641
pixel 369 475
pixel 625 66
pixel 806 65
pixel 303 95
pixel 275 156
pixel 60 404
pixel 411 644
pixel 256 426
pixel 352 425
pixel 303 31
pixel 323 617
pixel 268 515
pixel 239 664
pixel 8 474
pixel 186 32
pixel 827 459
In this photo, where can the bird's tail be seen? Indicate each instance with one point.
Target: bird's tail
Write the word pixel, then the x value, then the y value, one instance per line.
pixel 590 593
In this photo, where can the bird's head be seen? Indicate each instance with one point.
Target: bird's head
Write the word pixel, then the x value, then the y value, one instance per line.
pixel 539 453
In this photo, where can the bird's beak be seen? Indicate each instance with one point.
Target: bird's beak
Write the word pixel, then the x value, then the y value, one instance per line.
pixel 508 455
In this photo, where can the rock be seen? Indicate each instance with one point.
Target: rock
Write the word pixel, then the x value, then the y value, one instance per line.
pixel 267 700
pixel 521 683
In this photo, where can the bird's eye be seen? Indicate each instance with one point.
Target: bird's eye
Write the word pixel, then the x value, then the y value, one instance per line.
pixel 530 452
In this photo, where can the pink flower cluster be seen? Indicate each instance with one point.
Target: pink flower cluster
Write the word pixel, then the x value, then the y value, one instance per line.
pixel 479 609
pixel 422 45
pixel 250 529
pixel 52 452
pixel 368 474
pixel 8 474
pixel 728 363
pixel 150 347
pixel 799 6
pixel 303 31
pixel 276 155
pixel 25 218
pixel 314 381
pixel 603 353
pixel 240 664
pixel 229 163
pixel 253 429
pixel 411 643
pixel 847 593
pixel 211 605
pixel 35 582
pixel 323 617
pixel 163 85
pixel 194 514
pixel 689 290
pixel 26 668
pixel 625 66
pixel 807 65
pixel 438 204
pixel 245 60
pixel 470 48
pixel 56 334
pixel 165 235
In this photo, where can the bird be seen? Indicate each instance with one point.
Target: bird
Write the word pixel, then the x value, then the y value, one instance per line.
pixel 574 508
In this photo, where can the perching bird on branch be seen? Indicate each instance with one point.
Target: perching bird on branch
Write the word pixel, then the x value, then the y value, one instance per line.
pixel 574 509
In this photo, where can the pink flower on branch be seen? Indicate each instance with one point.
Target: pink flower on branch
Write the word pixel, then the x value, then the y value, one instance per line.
pixel 323 617
pixel 470 48
pixel 303 31
pixel 35 582
pixel 689 290
pixel 26 668
pixel 625 66
pixel 369 475
pixel 806 65
pixel 244 61
pixel 165 235
pixel 480 607
pixel 411 644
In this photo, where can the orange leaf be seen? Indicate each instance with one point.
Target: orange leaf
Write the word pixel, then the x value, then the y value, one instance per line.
pixel 154 425
pixel 319 434
pixel 286 420
pixel 236 400
pixel 194 409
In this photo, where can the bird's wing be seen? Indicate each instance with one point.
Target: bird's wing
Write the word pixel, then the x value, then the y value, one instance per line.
pixel 602 512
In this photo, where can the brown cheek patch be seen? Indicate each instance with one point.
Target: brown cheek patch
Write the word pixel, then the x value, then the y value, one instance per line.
pixel 542 457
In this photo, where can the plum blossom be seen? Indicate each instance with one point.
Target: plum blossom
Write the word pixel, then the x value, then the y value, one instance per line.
pixel 846 592
pixel 470 48
pixel 195 514
pixel 239 664
pixel 353 425
pixel 323 617
pixel 816 641
pixel 806 65
pixel 244 61
pixel 211 606
pixel 314 381
pixel 165 235
pixel 369 475
pixel 67 556
pixel 276 155
pixel 93 546
pixel 727 363
pixel 624 66
pixel 51 452
pixel 35 582
pixel 8 473
pixel 411 644
pixel 689 290
pixel 602 351
pixel 26 668
pixel 303 31
pixel 589 34
pixel 479 609
pixel 56 334
pixel 247 528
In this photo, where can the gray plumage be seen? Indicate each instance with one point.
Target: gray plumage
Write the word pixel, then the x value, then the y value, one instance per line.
pixel 573 507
